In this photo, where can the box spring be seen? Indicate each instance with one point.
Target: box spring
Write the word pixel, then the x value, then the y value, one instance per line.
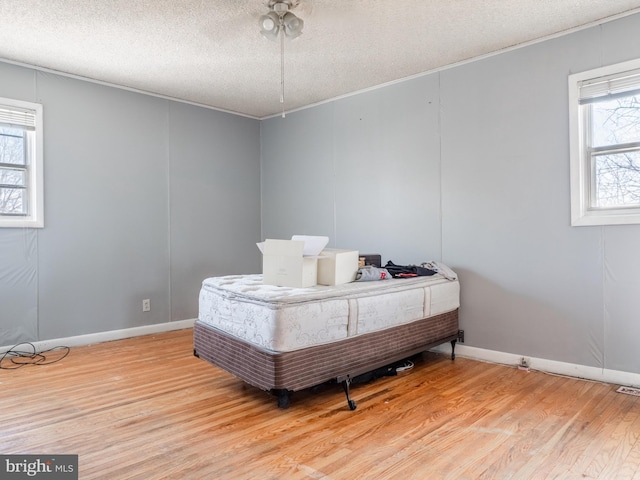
pixel 307 367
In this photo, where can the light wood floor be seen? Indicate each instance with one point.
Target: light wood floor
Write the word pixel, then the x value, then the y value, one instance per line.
pixel 145 408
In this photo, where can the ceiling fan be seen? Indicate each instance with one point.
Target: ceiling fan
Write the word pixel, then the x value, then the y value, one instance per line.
pixel 281 22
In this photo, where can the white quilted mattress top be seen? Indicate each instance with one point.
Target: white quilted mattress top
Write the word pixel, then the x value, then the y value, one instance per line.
pixel 285 319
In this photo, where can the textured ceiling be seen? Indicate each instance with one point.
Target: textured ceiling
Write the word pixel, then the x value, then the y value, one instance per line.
pixel 211 53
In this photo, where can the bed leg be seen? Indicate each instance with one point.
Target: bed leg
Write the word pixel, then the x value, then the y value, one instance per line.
pixel 454 341
pixel 284 398
pixel 345 384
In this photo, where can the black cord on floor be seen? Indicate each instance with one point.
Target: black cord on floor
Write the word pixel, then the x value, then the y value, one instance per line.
pixel 15 358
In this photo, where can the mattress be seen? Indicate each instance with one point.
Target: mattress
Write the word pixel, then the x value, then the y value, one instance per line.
pixel 284 319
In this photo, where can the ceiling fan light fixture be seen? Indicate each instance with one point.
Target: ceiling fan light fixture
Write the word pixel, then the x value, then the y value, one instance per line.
pixel 270 25
pixel 292 25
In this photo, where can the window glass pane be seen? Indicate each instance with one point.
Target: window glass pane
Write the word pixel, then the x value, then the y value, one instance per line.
pixel 616 121
pixel 13 201
pixel 12 146
pixel 11 176
pixel 617 180
pixel 21 164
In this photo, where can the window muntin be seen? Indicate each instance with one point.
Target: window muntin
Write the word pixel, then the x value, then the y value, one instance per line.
pixel 21 190
pixel 605 145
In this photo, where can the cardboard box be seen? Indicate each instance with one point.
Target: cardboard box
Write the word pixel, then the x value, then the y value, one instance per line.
pixel 291 263
pixel 336 266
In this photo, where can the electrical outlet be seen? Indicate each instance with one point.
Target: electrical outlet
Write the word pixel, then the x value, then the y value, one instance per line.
pixel 146 305
pixel 524 364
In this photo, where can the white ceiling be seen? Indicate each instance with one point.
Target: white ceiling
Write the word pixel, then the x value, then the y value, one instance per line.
pixel 211 53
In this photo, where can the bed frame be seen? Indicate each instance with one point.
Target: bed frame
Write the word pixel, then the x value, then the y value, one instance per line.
pixel 282 373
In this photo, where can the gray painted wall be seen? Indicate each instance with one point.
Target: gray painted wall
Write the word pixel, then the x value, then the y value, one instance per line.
pixel 470 166
pixel 144 198
pixel 364 171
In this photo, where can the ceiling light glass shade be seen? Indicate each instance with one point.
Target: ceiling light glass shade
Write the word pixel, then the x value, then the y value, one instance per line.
pixel 270 25
pixel 292 25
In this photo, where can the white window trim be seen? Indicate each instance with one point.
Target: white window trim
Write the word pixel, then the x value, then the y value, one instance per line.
pixel 35 219
pixel 581 214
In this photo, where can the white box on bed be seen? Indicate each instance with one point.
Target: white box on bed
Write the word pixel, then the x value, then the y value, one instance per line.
pixel 284 264
pixel 336 266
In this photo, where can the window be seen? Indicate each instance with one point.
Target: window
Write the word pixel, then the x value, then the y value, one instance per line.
pixel 605 145
pixel 21 190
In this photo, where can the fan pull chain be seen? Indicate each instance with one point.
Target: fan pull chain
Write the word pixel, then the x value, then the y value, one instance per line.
pixel 282 67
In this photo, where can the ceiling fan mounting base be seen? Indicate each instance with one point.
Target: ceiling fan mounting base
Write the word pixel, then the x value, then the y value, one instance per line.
pixel 282 5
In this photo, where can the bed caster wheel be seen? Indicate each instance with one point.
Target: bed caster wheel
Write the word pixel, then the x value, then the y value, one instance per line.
pixel 352 405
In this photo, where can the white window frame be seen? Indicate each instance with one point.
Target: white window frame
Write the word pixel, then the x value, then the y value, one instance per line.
pixel 582 214
pixel 35 166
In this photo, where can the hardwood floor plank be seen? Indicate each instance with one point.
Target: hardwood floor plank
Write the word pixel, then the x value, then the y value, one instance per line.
pixel 598 425
pixel 616 449
pixel 624 461
pixel 145 408
pixel 591 399
pixel 541 425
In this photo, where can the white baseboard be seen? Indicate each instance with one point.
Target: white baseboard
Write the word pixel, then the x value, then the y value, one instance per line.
pixel 549 366
pixel 91 338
